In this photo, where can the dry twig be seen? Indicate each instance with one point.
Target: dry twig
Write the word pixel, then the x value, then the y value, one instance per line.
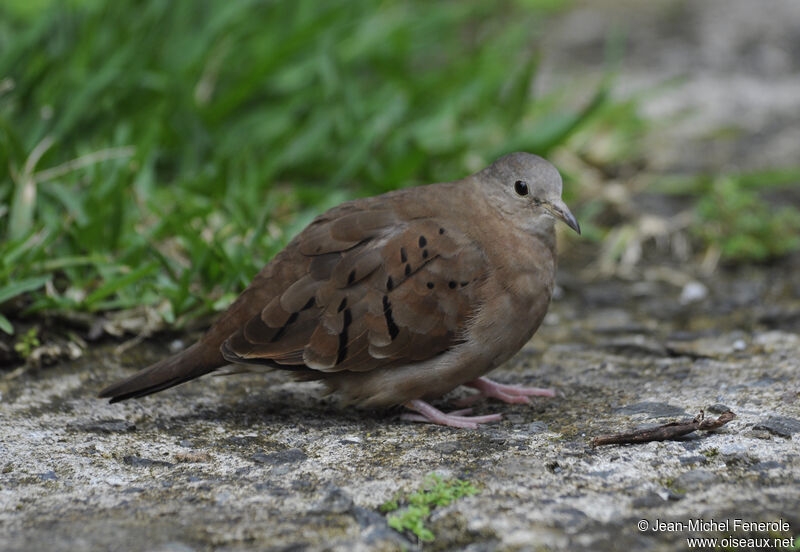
pixel 665 432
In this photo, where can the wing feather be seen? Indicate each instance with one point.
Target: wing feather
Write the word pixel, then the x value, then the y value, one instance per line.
pixel 376 287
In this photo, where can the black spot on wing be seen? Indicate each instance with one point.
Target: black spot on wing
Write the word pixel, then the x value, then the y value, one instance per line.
pixel 348 319
pixel 390 323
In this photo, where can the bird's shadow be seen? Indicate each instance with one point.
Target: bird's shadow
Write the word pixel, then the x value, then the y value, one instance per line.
pixel 300 409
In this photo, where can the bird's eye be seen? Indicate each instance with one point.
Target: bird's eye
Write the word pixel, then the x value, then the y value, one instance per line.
pixel 521 188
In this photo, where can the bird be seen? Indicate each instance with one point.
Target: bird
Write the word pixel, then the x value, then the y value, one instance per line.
pixel 399 298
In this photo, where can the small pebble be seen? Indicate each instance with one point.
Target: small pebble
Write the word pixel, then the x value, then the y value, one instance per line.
pixel 693 292
pixel 176 346
pixel 537 427
pixel 717 408
pixel 782 426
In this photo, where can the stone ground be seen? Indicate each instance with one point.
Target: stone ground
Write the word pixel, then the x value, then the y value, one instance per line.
pixel 254 461
pixel 261 462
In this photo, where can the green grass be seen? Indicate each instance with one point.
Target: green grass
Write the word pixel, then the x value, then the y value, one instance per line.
pixel 159 153
pixel 156 154
pixel 732 214
pixel 27 343
pixel 417 506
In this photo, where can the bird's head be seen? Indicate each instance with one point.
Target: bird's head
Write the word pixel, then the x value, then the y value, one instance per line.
pixel 523 183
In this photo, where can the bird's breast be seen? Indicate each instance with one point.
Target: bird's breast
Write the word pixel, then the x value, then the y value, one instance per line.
pixel 514 302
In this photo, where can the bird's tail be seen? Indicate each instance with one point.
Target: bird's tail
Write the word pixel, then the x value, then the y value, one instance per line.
pixel 199 359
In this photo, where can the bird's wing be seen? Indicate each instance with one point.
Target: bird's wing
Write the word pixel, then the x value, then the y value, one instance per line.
pixel 383 286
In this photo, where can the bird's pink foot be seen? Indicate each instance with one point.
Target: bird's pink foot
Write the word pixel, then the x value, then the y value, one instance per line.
pixel 429 414
pixel 513 394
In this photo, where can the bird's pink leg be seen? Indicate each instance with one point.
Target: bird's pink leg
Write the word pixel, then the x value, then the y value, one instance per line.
pixel 432 415
pixel 513 394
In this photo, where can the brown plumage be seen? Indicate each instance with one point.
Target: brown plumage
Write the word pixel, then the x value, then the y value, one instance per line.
pixel 395 298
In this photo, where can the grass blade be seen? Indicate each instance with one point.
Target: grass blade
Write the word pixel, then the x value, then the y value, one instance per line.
pixel 112 286
pixel 6 326
pixel 23 286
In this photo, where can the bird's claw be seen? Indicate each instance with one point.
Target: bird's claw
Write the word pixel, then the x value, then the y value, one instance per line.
pixel 458 418
pixel 512 394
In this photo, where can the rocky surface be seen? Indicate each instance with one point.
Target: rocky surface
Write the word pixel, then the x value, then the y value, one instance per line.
pixel 261 462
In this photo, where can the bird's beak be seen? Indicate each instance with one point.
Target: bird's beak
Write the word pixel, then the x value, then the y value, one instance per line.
pixel 560 211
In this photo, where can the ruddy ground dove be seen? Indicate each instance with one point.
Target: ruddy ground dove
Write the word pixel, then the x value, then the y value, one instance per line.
pixel 399 298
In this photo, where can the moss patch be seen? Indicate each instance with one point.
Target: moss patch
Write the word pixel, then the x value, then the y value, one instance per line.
pixel 435 491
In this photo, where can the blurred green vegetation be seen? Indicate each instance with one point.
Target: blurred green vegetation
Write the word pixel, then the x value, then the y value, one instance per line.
pixel 417 506
pixel 158 153
pixel 733 215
